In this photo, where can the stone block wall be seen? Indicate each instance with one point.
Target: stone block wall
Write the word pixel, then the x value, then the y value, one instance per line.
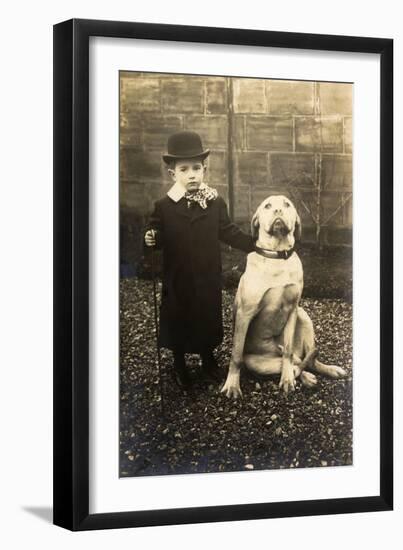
pixel 288 137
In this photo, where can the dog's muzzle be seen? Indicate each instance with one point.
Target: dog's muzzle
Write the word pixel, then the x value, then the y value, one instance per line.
pixel 279 226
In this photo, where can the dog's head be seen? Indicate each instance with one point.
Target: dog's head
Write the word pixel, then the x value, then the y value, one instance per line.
pixel 277 217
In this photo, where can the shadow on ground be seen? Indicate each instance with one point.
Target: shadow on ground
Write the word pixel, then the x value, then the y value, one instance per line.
pixel 44 513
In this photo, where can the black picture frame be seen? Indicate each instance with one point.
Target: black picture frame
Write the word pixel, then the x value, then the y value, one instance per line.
pixel 71 274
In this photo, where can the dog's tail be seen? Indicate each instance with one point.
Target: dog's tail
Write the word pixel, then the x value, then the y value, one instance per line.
pixel 329 370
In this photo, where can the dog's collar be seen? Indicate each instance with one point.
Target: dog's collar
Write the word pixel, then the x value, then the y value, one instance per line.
pixel 274 254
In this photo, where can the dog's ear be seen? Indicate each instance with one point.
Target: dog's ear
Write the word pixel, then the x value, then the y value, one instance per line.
pixel 254 225
pixel 298 229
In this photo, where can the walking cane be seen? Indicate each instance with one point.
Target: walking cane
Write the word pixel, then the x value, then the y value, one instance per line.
pixel 157 336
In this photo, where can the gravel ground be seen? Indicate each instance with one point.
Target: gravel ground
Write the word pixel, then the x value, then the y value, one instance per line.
pixel 203 431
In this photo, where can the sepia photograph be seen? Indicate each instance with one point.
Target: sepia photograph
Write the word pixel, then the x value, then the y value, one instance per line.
pixel 236 297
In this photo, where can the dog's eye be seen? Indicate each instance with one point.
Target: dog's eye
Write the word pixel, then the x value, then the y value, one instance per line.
pixel 287 204
pixel 268 205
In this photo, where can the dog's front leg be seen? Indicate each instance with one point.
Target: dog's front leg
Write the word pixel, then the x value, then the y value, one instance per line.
pixel 232 386
pixel 287 380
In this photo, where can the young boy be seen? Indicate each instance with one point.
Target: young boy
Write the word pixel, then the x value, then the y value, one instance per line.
pixel 188 224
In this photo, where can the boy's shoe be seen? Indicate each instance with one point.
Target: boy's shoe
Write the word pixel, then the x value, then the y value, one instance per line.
pixel 210 367
pixel 181 374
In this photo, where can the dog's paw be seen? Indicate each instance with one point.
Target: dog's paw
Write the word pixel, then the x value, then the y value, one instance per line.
pixel 287 380
pixel 231 390
pixel 336 372
pixel 308 379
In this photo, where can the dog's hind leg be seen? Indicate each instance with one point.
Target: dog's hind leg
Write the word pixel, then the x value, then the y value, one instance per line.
pixel 305 340
pixel 266 365
pixel 263 365
pixel 304 334
pixel 305 347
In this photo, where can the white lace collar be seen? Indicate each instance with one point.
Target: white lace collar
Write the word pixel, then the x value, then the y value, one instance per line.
pixel 177 191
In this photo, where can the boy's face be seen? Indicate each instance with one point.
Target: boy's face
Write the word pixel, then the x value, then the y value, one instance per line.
pixel 189 173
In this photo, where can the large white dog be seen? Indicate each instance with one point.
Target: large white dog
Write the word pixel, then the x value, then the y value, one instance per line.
pixel 272 333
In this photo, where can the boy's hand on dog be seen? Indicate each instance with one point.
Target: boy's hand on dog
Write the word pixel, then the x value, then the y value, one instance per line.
pixel 149 238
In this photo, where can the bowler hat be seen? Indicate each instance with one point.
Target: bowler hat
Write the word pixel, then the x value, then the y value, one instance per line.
pixel 185 145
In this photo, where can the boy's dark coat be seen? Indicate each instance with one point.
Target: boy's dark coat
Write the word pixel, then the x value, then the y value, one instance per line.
pixel 191 309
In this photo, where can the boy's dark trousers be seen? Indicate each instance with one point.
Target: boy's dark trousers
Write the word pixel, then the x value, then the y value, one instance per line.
pixel 209 367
